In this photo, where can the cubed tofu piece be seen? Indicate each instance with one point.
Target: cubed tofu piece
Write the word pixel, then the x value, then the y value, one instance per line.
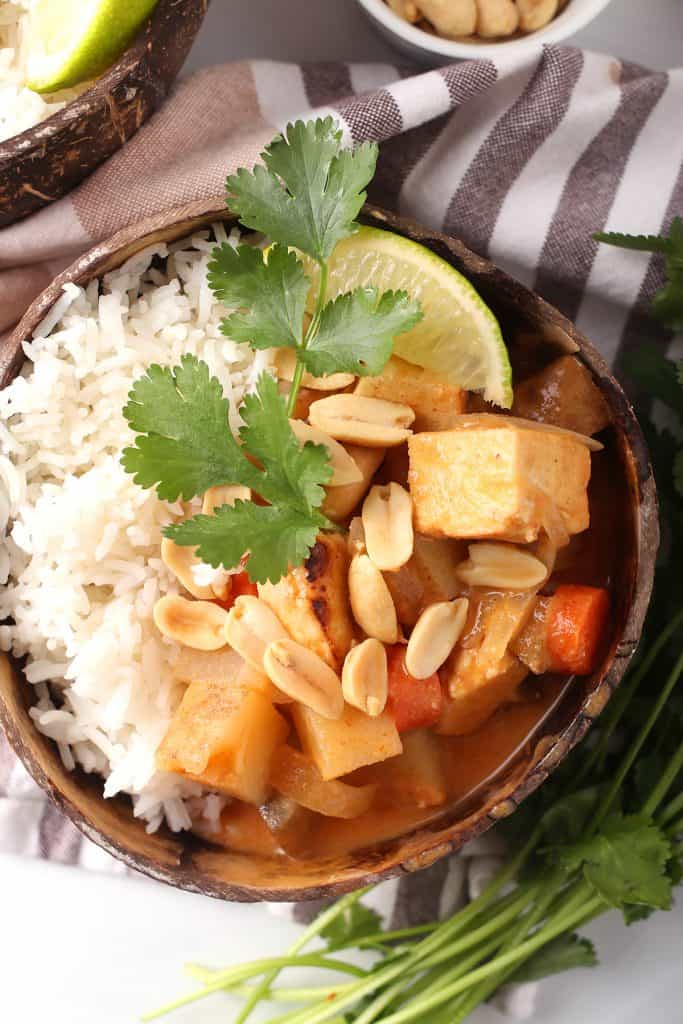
pixel 224 737
pixel 564 394
pixel 434 400
pixel 475 699
pixel 351 742
pixel 340 502
pixel 428 576
pixel 494 477
pixel 482 674
pixel 312 601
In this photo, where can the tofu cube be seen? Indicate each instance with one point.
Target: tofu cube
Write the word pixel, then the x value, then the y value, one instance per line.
pixel 351 742
pixel 434 400
pixel 493 476
pixel 224 737
pixel 312 601
pixel 564 394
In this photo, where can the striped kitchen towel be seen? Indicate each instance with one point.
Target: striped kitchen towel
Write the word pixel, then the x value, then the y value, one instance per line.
pixel 522 160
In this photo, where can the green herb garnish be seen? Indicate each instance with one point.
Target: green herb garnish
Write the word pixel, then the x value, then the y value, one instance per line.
pixel 306 197
pixel 667 304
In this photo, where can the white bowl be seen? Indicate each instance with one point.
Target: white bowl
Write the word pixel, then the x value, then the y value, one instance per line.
pixel 429 48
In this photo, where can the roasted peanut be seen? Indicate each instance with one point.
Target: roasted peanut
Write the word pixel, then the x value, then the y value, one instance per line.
pixel 501 567
pixel 198 624
pixel 405 9
pixel 436 633
pixel 451 18
pixel 496 18
pixel 371 602
pixel 356 537
pixel 534 14
pixel 250 626
pixel 285 365
pixel 340 502
pixel 305 677
pixel 344 469
pixel 180 560
pixel 370 422
pixel 224 494
pixel 388 524
pixel 365 677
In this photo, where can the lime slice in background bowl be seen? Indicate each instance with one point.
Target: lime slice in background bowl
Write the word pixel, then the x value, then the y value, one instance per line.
pixel 72 41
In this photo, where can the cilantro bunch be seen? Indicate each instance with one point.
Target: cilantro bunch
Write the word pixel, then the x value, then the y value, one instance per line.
pixel 305 198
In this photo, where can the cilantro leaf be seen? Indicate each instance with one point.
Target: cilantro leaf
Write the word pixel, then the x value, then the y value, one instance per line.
pixel 561 954
pixel 667 304
pixel 357 330
pixel 293 474
pixel 655 374
pixel 186 445
pixel 625 862
pixel 356 922
pixel 268 294
pixel 639 243
pixel 310 190
pixel 275 537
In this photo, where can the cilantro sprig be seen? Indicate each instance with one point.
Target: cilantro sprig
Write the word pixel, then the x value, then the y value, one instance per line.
pixel 667 304
pixel 305 198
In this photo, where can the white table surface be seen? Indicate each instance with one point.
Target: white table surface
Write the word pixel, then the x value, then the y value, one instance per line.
pixel 82 948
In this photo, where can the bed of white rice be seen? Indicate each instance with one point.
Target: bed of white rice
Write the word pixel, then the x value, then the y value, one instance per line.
pixel 20 107
pixel 80 554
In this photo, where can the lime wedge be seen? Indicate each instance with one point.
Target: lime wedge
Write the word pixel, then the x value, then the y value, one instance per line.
pixel 71 41
pixel 459 336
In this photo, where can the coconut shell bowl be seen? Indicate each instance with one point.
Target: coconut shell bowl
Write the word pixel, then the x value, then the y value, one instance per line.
pixel 188 862
pixel 45 162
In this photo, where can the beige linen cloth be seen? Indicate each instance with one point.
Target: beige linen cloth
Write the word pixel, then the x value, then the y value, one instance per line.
pixel 522 160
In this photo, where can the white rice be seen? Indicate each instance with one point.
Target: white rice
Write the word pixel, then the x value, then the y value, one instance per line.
pixel 20 107
pixel 81 551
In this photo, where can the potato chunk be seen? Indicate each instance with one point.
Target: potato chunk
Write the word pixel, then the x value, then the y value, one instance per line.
pixel 224 737
pixel 428 576
pixel 564 394
pixel 434 400
pixel 351 742
pixel 495 478
pixel 482 674
pixel 312 601
pixel 417 775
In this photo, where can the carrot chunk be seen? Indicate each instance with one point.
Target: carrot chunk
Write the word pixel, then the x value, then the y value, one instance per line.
pixel 576 621
pixel 413 703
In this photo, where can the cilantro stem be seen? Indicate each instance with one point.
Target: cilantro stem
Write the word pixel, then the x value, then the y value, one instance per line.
pixel 671 810
pixel 311 332
pixel 635 748
pixel 666 781
pixel 229 978
pixel 320 923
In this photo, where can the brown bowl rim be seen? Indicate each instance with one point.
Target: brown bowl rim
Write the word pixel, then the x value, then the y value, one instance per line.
pixel 547 755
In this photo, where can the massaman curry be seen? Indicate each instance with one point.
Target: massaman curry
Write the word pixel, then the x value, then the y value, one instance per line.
pixel 417 648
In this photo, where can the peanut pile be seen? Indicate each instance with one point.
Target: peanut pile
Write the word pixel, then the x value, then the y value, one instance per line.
pixel 486 19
